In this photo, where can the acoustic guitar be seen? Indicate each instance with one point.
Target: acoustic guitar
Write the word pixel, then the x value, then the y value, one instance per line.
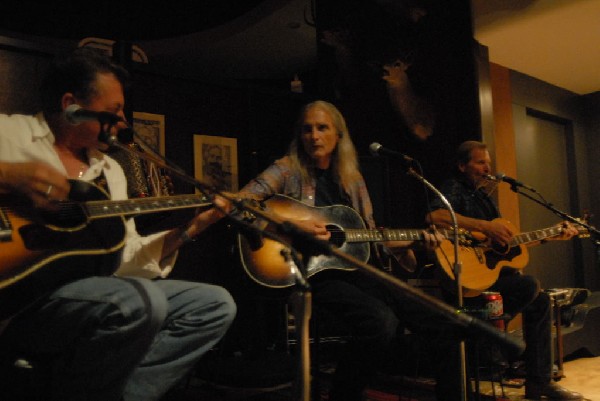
pixel 482 260
pixel 262 257
pixel 42 250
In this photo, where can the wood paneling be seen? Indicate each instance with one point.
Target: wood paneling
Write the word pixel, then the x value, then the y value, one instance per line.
pixel 504 139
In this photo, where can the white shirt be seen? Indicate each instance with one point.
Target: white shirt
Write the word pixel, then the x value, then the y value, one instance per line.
pixel 28 138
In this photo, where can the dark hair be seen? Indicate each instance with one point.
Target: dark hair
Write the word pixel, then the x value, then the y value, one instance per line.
pixel 463 154
pixel 77 73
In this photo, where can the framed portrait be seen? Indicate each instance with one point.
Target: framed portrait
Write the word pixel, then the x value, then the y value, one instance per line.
pixel 151 129
pixel 215 161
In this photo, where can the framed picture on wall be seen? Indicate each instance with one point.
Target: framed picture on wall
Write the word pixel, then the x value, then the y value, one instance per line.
pixel 215 161
pixel 151 129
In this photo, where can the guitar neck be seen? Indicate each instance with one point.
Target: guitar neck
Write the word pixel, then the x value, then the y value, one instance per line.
pixel 111 208
pixel 533 236
pixel 387 234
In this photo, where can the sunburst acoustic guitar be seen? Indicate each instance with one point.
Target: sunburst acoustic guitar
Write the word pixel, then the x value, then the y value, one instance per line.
pixel 41 250
pixel 264 263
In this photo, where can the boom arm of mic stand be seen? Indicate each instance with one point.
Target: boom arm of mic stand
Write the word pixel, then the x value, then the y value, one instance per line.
pixel 435 305
pixel 560 213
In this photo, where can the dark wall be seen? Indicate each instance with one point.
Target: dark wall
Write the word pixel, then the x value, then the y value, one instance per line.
pixel 21 72
pixel 261 119
pixel 435 39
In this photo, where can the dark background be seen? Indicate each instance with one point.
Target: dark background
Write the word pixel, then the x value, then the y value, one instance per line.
pixel 260 113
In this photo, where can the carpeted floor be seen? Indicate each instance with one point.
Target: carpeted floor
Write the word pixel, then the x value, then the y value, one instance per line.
pixel 582 375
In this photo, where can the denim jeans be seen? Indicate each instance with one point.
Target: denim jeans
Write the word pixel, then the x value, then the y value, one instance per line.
pixel 521 293
pixel 114 338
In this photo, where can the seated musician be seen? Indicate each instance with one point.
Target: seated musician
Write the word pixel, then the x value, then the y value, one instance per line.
pixel 128 336
pixel 321 169
pixel 476 211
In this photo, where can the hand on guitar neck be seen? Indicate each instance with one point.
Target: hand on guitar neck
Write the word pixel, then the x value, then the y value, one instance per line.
pixel 567 231
pixel 495 237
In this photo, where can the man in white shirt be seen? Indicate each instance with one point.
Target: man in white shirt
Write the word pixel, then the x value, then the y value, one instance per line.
pixel 109 337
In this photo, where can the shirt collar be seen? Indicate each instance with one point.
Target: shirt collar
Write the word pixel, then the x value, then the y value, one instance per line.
pixel 42 130
pixel 97 164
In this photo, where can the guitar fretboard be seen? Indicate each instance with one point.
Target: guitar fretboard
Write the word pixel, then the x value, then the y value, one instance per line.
pixel 142 205
pixel 536 235
pixel 357 235
pixel 365 235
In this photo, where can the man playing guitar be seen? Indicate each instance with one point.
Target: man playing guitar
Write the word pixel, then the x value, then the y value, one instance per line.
pixel 127 336
pixel 475 211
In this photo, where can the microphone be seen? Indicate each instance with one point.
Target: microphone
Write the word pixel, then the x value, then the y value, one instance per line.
pixel 377 149
pixel 76 115
pixel 513 182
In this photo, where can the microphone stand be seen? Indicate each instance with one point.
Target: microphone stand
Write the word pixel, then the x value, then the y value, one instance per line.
pixel 565 216
pixel 457 270
pixel 594 232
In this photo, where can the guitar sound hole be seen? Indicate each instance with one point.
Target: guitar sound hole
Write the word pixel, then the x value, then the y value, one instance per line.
pixel 68 215
pixel 338 236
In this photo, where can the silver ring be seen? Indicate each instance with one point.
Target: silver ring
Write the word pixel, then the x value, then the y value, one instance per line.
pixel 49 190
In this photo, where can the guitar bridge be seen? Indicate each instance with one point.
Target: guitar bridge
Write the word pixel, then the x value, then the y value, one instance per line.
pixel 247 217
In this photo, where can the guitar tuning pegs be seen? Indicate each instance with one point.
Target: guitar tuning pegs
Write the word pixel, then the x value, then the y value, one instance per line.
pixel 248 217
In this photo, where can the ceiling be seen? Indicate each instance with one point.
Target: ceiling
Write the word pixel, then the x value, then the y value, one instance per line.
pixel 556 41
pixel 275 40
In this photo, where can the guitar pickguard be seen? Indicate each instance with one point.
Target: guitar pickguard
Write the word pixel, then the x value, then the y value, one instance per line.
pixel 493 258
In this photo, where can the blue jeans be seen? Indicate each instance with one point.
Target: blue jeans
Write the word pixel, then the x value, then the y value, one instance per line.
pixel 521 293
pixel 114 338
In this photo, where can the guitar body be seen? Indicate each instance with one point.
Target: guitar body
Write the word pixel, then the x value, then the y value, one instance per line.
pixel 39 252
pixel 262 258
pixel 482 262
